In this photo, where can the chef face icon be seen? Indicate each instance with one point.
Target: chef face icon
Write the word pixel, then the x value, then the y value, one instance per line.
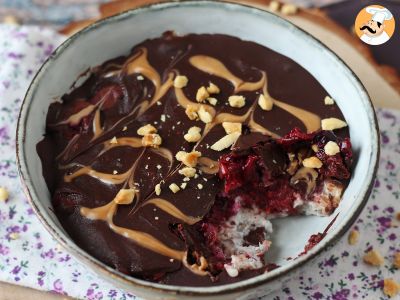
pixel 374 25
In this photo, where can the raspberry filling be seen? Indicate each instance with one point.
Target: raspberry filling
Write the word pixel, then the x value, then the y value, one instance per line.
pixel 262 182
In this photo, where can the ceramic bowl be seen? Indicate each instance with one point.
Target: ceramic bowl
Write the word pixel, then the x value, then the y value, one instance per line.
pixel 115 36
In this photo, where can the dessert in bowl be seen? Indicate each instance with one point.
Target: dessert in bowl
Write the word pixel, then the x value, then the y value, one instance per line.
pixel 177 163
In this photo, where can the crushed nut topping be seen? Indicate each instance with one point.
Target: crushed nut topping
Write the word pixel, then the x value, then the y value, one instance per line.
pixel 152 140
pixel 174 188
pixel 226 141
pixel 373 258
pixel 204 115
pixel 199 186
pixel 315 148
pixel 329 101
pixel 212 101
pixel 191 112
pixel 202 94
pixel 125 196
pixel 331 148
pixel 332 124
pixel 237 101
pixel 273 6
pixel 312 162
pixel 125 128
pixel 288 9
pixel 188 159
pixel 3 194
pixel 140 77
pixel 231 127
pixel 390 287
pixel 213 88
pixel 183 185
pixel 353 237
pixel 114 140
pixel 265 103
pixel 193 135
pixel 147 129
pixel 180 81
pixel 187 172
pixel 14 235
pixel 157 189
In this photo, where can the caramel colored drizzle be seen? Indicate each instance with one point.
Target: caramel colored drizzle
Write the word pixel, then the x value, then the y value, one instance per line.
pixel 207 165
pixel 103 177
pixel 97 129
pixel 213 66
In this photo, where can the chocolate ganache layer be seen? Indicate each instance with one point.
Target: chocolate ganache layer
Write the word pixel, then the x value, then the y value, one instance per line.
pixel 140 166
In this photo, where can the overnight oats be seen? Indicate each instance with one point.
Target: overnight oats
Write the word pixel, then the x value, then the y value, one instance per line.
pixel 169 163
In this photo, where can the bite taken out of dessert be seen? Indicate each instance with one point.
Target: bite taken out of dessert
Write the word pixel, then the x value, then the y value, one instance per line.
pixel 168 164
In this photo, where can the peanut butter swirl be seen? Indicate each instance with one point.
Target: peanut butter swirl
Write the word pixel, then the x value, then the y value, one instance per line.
pixel 99 152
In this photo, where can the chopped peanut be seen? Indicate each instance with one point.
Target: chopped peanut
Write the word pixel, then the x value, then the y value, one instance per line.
pixel 202 94
pixel 151 140
pixel 114 140
pixel 265 103
pixel 373 258
pixel 188 172
pixel 191 112
pixel 329 101
pixel 125 196
pixel 180 81
pixel 204 115
pixel 183 185
pixel 331 148
pixel 212 101
pixel 3 194
pixel 147 129
pixel 213 88
pixel 314 147
pixel 226 141
pixel 353 237
pixel 288 9
pixel 174 188
pixel 390 287
pixel 312 162
pixel 157 189
pixel 396 260
pixel 193 135
pixel 237 101
pixel 231 127
pixel 188 159
pixel 273 6
pixel 332 124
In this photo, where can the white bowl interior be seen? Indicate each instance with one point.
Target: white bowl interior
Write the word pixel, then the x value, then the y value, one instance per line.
pixel 93 47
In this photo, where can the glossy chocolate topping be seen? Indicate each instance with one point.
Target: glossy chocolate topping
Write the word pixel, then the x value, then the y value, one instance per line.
pixel 92 153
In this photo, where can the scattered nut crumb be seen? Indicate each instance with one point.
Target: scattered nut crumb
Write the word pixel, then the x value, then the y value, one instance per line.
pixel 125 128
pixel 180 81
pixel 188 159
pixel 265 103
pixel 226 141
pixel 14 235
pixel 199 186
pixel 312 162
pixel 390 287
pixel 331 148
pixel 273 6
pixel 3 194
pixel 187 172
pixel 125 196
pixel 231 127
pixel 396 260
pixel 115 172
pixel 152 140
pixel 147 129
pixel 174 188
pixel 212 101
pixel 114 140
pixel 10 19
pixel 237 101
pixel 353 237
pixel 332 124
pixel 373 258
pixel 183 185
pixel 140 77
pixel 204 115
pixel 193 135
pixel 202 94
pixel 213 88
pixel 329 101
pixel 157 189
pixel 162 118
pixel 315 148
pixel 288 9
pixel 191 112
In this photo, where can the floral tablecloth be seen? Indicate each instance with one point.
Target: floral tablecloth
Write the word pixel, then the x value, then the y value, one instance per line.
pixel 30 257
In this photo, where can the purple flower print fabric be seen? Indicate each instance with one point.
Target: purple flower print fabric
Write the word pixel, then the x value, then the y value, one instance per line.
pixel 30 257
